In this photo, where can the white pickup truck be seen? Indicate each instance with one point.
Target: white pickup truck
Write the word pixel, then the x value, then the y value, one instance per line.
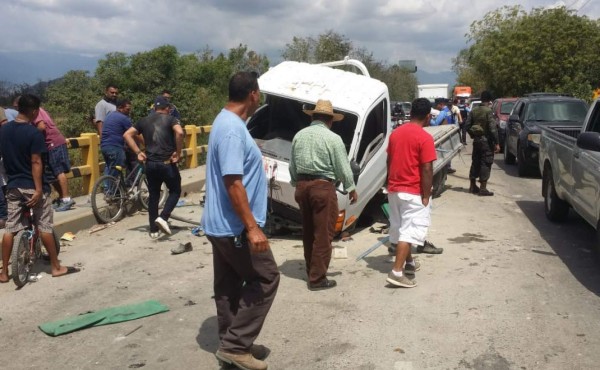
pixel 569 160
pixel 291 86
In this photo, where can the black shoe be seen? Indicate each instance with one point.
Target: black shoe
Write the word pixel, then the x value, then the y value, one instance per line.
pixel 428 247
pixel 323 284
pixel 451 170
pixel 485 193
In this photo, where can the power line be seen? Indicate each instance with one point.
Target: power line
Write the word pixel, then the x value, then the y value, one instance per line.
pixel 584 4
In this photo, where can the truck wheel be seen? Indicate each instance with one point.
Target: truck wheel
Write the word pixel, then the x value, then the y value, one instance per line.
pixel 508 157
pixel 439 182
pixel 555 208
pixel 522 168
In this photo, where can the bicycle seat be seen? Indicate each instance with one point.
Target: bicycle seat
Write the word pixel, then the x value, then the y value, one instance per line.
pixel 119 168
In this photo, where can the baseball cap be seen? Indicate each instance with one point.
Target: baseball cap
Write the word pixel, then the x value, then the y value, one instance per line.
pixel 161 102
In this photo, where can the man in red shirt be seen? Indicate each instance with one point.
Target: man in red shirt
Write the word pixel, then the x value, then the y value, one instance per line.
pixel 411 153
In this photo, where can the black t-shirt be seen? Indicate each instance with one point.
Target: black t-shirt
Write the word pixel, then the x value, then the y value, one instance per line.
pixel 18 141
pixel 159 137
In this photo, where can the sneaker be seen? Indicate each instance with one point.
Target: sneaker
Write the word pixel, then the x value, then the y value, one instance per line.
pixel 154 235
pixel 65 206
pixel 410 269
pixel 451 170
pixel 243 361
pixel 401 281
pixel 428 247
pixel 163 225
pixel 323 284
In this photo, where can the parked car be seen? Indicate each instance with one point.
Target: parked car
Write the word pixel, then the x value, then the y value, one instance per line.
pixel 523 128
pixel 501 109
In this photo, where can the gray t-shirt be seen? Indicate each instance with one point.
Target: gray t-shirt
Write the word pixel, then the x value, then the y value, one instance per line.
pixel 103 108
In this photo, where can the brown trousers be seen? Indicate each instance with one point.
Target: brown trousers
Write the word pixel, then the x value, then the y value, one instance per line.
pixel 319 208
pixel 245 286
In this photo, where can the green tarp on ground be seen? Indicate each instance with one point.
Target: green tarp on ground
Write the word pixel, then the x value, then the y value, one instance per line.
pixel 106 316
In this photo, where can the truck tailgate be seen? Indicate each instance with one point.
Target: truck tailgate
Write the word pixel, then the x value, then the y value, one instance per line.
pixel 447 144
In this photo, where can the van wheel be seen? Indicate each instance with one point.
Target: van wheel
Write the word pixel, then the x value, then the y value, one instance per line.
pixel 439 182
pixel 555 208
pixel 508 157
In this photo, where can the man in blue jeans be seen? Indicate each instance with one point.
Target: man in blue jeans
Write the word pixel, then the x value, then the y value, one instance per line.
pixel 163 137
pixel 112 142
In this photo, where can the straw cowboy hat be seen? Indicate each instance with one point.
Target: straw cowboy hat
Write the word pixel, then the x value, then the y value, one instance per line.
pixel 324 107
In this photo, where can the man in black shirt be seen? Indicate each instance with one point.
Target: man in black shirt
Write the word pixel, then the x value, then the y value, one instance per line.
pixel 163 137
pixel 24 150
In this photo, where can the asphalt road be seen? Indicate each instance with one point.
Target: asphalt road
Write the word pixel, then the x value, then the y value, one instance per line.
pixel 510 291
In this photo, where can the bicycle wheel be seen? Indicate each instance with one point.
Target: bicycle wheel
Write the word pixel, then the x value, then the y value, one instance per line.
pixel 143 193
pixel 43 250
pixel 22 259
pixel 108 199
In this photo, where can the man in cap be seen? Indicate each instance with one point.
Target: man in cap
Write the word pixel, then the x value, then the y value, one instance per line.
pixel 163 137
pixel 318 160
pixel 246 276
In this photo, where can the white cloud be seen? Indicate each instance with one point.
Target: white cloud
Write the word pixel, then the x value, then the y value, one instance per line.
pixel 432 32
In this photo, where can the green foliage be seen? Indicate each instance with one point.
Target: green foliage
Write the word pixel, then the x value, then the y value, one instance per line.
pixel 198 83
pixel 514 52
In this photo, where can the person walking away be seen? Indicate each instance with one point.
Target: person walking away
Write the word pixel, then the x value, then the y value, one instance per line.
pixel 163 137
pixel 482 129
pixel 411 152
pixel 105 106
pixel 112 143
pixel 59 163
pixel 245 273
pixel 318 160
pixel 23 149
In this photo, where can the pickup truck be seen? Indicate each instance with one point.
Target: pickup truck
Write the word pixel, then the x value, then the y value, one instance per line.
pixel 290 87
pixel 569 160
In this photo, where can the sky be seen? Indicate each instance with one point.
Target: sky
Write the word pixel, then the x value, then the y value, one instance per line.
pixel 52 36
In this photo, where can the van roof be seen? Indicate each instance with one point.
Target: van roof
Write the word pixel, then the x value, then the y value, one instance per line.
pixel 305 82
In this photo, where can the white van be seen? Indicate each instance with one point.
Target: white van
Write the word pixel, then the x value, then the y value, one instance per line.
pixel 290 87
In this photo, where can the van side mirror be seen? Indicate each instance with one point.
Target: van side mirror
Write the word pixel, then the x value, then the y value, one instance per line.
pixel 513 118
pixel 355 170
pixel 589 141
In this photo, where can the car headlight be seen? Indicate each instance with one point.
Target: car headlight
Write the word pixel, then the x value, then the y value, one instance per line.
pixel 534 138
pixel 502 124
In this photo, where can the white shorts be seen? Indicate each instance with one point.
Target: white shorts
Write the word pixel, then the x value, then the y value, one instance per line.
pixel 409 218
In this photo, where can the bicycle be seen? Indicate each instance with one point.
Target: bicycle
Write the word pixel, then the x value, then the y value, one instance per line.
pixel 27 248
pixel 111 195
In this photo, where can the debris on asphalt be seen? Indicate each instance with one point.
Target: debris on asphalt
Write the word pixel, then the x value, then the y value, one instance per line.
pixel 101 227
pixel 182 248
pixel 68 236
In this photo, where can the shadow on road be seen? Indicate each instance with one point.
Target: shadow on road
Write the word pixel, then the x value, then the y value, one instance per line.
pixel 512 169
pixel 573 241
pixel 294 269
pixel 208 335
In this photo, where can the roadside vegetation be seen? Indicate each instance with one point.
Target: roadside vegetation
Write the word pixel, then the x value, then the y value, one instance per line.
pixel 513 52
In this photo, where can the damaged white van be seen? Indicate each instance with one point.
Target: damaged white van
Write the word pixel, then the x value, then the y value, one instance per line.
pixel 290 87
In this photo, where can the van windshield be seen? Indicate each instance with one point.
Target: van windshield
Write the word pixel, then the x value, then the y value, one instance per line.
pixel 281 118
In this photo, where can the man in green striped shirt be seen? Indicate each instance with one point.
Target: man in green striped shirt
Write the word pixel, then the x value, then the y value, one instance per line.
pixel 319 159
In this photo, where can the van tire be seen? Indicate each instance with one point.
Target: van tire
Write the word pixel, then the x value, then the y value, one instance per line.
pixel 555 208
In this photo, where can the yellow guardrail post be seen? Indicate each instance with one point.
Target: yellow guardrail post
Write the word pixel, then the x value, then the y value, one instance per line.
pixel 190 144
pixel 90 155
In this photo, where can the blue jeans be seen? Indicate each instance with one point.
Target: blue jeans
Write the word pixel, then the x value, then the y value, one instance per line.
pixel 113 156
pixel 157 173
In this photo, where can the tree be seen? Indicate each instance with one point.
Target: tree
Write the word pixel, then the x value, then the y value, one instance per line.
pixel 514 52
pixel 332 46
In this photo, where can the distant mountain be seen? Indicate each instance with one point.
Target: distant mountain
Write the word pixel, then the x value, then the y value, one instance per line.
pixel 446 77
pixel 30 67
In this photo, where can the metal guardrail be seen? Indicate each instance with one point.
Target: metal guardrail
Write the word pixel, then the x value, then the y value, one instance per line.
pixel 91 170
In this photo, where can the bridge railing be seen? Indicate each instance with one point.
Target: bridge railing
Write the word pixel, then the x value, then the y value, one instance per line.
pixel 91 168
